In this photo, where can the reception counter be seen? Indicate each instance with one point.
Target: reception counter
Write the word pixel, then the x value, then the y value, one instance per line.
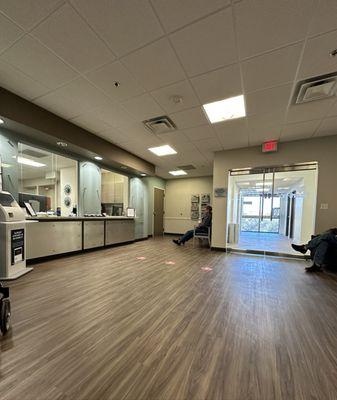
pixel 50 236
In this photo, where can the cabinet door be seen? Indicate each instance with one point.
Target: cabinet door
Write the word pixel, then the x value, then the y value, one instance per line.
pixel 93 234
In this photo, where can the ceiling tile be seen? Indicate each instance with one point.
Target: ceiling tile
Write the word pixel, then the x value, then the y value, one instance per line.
pixel 207 44
pixel 113 114
pixel 38 62
pixel 219 84
pixel 316 58
pixel 328 127
pixel 17 82
pixel 155 65
pixel 199 132
pixel 265 127
pixel 174 138
pixel 137 131
pixel 90 122
pixel 309 111
pixel 212 144
pixel 106 76
pixel 264 25
pixel 73 99
pixel 9 32
pixel 189 118
pixel 168 97
pixel 301 130
pixel 113 135
pixel 272 69
pixel 143 107
pixel 124 25
pixel 28 13
pixel 66 34
pixel 232 134
pixel 177 13
pixel 268 100
pixel 325 18
pixel 332 110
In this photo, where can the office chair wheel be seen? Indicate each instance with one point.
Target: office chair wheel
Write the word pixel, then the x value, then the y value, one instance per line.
pixel 5 316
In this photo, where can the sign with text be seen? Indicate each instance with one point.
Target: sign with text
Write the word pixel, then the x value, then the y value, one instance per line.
pixel 270 146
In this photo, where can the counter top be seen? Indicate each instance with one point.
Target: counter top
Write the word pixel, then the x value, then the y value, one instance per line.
pixel 55 218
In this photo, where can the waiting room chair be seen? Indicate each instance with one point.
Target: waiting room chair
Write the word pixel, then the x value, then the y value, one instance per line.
pixel 202 235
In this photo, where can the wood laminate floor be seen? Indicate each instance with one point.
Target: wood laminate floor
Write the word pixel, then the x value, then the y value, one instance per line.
pixel 106 325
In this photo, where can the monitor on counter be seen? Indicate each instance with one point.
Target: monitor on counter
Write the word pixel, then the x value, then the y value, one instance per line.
pixel 130 212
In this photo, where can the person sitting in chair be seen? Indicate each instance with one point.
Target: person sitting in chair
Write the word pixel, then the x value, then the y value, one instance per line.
pixel 201 228
pixel 318 247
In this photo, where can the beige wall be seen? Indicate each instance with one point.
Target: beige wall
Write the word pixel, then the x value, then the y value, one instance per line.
pixel 323 150
pixel 178 202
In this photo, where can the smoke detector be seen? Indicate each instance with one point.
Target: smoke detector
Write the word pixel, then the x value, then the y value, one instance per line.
pixel 160 125
pixel 317 88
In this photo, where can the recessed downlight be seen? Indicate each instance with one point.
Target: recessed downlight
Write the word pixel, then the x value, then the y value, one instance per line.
pixel 99 158
pixel 178 172
pixel 223 110
pixel 164 150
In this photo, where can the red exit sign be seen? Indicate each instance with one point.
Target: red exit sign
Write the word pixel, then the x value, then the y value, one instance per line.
pixel 270 146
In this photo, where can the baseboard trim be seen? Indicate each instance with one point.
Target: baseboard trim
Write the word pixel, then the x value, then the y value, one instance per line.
pixel 215 248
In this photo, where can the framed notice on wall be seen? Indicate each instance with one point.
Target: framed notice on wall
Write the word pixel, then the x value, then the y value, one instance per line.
pixel 195 200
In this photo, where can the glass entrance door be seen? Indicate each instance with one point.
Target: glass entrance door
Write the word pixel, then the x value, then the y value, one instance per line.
pixel 271 208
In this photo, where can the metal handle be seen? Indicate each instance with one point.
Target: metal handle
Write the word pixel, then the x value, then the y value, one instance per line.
pixel 264 179
pixel 272 196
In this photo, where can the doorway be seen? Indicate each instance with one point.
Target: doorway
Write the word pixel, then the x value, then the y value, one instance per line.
pixel 271 208
pixel 158 211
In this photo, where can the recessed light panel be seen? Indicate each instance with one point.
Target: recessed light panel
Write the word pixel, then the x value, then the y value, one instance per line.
pixel 226 109
pixel 178 172
pixel 98 158
pixel 165 150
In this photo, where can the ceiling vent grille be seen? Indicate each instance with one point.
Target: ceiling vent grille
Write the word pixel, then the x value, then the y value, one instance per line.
pixel 160 125
pixel 186 167
pixel 317 88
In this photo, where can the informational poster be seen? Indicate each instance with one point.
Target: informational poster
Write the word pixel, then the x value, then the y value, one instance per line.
pixel 17 245
pixel 195 204
pixel 205 201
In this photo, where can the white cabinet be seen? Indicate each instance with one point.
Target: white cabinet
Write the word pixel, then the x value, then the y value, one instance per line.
pixel 93 234
pixel 119 231
pixel 51 238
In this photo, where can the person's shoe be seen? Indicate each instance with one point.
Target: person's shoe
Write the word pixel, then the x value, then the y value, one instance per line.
pixel 177 242
pixel 313 268
pixel 302 249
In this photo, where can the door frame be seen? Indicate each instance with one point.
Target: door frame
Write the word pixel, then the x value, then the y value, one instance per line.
pixel 159 188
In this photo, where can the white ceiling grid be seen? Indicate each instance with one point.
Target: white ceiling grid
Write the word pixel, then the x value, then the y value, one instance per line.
pixel 67 55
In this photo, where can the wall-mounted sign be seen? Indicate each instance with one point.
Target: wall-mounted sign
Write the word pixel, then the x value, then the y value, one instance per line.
pixel 269 147
pixel 220 192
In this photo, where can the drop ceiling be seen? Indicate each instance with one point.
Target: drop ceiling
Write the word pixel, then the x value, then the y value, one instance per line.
pixel 66 56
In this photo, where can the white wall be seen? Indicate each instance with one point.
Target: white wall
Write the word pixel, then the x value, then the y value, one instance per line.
pixel 323 150
pixel 178 202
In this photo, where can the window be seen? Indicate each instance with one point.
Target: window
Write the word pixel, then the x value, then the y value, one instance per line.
pixel 47 181
pixel 114 193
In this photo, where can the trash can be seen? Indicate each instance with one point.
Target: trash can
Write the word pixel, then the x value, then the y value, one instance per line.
pixel 12 239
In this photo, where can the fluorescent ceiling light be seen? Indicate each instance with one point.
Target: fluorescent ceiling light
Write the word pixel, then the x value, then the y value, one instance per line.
pixel 162 150
pixel 32 163
pixel 98 158
pixel 222 110
pixel 142 174
pixel 178 172
pixel 2 121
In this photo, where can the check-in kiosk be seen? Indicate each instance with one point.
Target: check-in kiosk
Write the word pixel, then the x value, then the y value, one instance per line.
pixel 12 238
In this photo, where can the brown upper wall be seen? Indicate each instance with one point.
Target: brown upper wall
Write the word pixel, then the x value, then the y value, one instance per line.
pixel 26 113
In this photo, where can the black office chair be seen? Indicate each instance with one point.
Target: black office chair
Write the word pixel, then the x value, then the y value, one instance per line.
pixel 330 261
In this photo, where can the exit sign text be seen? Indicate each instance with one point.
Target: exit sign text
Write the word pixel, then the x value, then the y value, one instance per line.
pixel 270 146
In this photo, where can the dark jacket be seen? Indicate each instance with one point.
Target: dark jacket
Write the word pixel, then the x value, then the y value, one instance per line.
pixel 206 221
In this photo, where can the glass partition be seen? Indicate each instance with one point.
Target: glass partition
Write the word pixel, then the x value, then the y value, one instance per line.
pixel 114 193
pixel 49 182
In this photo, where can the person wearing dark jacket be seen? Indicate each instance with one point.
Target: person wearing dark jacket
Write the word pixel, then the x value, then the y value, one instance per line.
pixel 319 246
pixel 205 223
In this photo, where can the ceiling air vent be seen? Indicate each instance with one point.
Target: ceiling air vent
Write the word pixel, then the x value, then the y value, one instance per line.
pixel 186 167
pixel 160 125
pixel 317 88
